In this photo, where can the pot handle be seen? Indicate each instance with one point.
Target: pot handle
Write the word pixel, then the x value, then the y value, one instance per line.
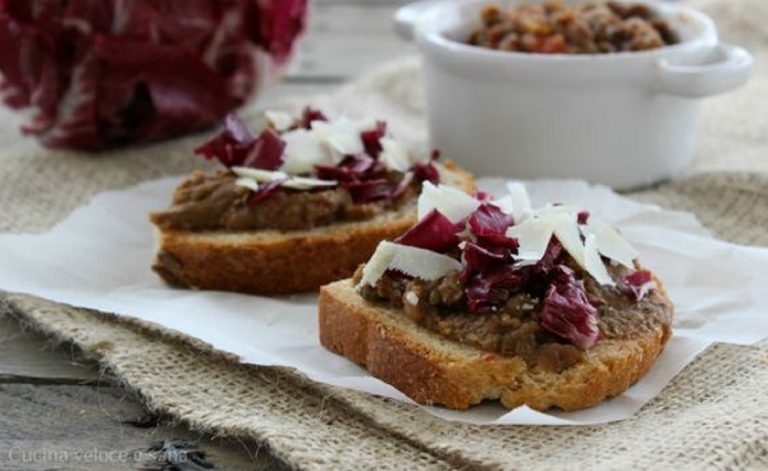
pixel 730 67
pixel 406 16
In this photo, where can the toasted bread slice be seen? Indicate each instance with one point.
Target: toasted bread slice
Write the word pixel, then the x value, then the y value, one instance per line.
pixel 271 262
pixel 434 370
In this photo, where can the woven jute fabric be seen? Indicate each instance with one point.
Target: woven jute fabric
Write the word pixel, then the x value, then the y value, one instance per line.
pixel 713 415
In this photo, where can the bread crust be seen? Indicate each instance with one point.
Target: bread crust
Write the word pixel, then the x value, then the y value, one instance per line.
pixel 433 370
pixel 270 262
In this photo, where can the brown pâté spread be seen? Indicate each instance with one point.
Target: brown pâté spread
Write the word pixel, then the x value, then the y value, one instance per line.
pixel 514 329
pixel 213 201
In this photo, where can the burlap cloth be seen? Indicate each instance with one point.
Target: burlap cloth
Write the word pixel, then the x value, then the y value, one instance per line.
pixel 714 414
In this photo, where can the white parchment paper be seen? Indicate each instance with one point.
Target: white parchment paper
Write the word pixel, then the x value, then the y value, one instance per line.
pixel 99 258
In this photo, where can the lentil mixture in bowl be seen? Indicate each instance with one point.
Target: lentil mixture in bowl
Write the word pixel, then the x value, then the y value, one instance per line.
pixel 590 28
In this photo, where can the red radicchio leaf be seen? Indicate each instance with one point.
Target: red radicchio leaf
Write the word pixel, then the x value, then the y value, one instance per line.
pixel 435 154
pixel 488 290
pixel 478 259
pixel 540 274
pixel 353 167
pixel 433 232
pixel 483 196
pixel 265 191
pixel 372 139
pixel 266 152
pixel 230 146
pixel 638 284
pixel 310 114
pixel 426 171
pixel 369 190
pixel 277 23
pixel 566 311
pixel 490 224
pixel 100 74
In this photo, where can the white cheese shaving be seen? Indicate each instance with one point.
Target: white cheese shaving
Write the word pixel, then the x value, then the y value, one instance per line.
pixel 452 203
pixel 550 208
pixel 247 183
pixel 413 261
pixel 534 235
pixel 516 202
pixel 609 242
pixel 295 183
pixel 302 183
pixel 533 238
pixel 303 151
pixel 412 298
pixel 394 155
pixel 279 120
pixel 341 135
pixel 258 174
pixel 593 263
pixel 566 230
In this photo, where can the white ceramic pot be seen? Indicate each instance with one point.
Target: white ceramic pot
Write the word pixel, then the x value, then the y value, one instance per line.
pixel 626 119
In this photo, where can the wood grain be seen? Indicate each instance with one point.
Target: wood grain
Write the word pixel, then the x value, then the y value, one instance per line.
pixel 87 427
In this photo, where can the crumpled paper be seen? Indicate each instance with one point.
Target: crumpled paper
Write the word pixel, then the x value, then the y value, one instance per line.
pixel 99 258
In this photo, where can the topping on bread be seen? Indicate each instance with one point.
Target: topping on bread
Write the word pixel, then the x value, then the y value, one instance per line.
pixel 301 185
pixel 555 292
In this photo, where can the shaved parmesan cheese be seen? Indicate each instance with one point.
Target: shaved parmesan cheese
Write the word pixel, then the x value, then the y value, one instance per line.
pixel 593 263
pixel 394 156
pixel 412 261
pixel 566 229
pixel 302 183
pixel 533 236
pixel 452 203
pixel 247 183
pixel 341 135
pixel 295 183
pixel 279 120
pixel 556 209
pixel 519 203
pixel 610 243
pixel 258 174
pixel 303 151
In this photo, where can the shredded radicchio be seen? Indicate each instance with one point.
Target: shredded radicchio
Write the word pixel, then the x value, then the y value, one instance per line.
pixel 101 74
pixel 352 168
pixel 433 232
pixel 491 276
pixel 489 223
pixel 231 146
pixel 266 151
pixel 566 311
pixel 372 139
pixel 362 175
pixel 369 190
pixel 638 284
pixel 309 115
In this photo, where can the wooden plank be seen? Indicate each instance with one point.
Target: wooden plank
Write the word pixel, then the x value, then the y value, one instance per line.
pixel 27 357
pixel 87 427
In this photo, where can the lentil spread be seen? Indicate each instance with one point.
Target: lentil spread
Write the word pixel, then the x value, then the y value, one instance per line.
pixel 214 201
pixel 587 29
pixel 515 329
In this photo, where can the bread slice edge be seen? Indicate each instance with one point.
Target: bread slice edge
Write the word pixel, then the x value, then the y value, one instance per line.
pixel 436 371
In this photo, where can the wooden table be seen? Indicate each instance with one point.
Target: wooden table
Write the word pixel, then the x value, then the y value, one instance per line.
pixel 58 411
